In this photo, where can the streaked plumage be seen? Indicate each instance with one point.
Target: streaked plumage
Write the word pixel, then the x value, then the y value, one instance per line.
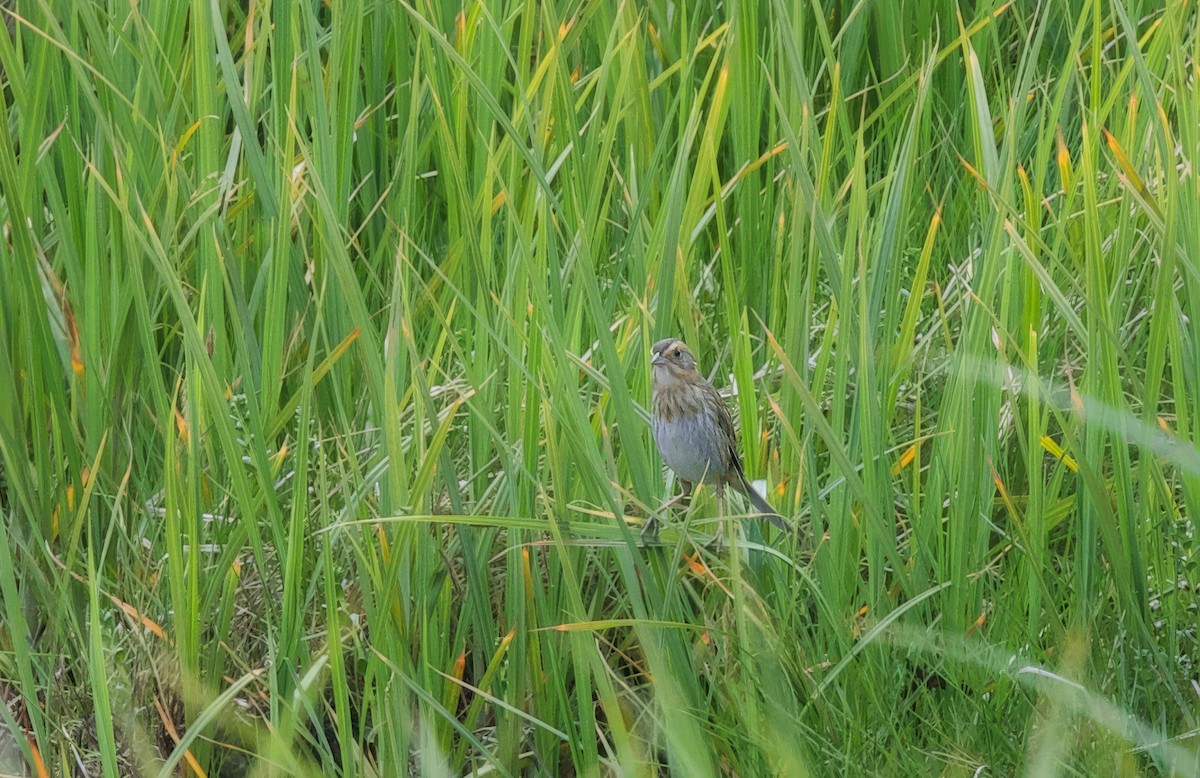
pixel 692 427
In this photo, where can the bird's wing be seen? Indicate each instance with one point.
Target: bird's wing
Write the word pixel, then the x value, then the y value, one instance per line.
pixel 728 431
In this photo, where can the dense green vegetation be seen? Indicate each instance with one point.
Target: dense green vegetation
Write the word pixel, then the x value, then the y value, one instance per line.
pixel 324 338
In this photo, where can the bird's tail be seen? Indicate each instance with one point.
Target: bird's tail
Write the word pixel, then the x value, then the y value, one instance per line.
pixel 764 507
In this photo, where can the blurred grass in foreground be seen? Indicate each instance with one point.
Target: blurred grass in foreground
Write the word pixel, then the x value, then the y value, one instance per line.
pixel 323 360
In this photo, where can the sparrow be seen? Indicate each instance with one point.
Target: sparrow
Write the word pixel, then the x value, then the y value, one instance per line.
pixel 693 430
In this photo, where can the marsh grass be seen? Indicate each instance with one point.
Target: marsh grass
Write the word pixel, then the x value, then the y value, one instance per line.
pixel 323 375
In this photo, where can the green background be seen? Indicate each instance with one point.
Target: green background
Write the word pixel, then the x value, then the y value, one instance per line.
pixel 324 334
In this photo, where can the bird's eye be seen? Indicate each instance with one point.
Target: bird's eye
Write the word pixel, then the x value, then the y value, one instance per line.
pixel 678 353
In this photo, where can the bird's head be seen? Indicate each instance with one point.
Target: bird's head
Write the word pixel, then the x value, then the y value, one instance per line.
pixel 672 361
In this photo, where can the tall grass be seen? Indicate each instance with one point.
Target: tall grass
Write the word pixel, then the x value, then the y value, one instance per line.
pixel 324 336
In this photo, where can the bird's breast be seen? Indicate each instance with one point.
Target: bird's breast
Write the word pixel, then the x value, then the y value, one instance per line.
pixel 690 444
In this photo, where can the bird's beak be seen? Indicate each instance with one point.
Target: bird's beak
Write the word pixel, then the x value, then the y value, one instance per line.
pixel 657 359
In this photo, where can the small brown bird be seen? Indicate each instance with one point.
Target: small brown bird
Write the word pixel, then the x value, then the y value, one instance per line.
pixel 693 429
